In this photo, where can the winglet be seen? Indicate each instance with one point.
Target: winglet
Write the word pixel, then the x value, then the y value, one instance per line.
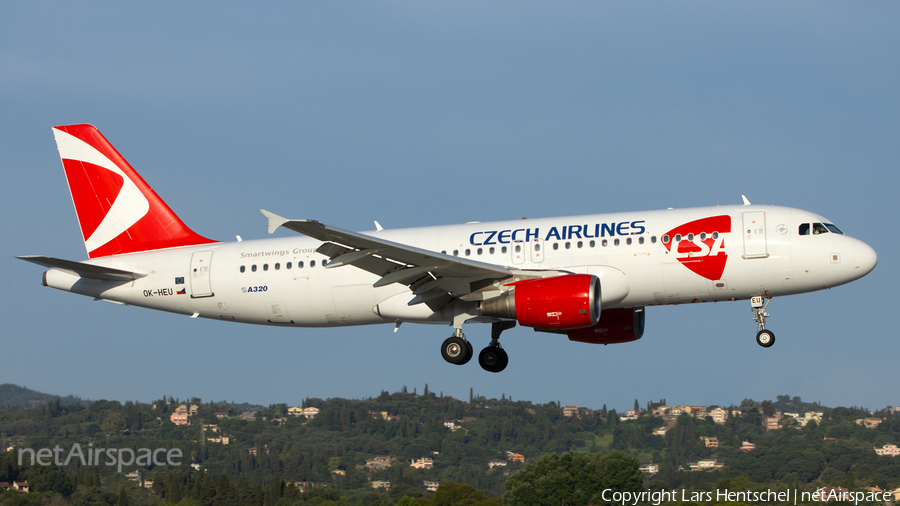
pixel 746 202
pixel 275 221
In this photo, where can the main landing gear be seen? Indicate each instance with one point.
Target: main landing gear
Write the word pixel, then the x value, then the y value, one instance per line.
pixel 764 337
pixel 457 349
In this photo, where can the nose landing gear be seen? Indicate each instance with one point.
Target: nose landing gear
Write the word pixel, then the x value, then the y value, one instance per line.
pixel 764 337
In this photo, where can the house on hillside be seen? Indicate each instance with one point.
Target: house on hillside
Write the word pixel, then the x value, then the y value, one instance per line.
pixel 706 465
pixel 423 463
pixel 431 486
pixel 650 468
pixel 888 450
pixel 710 442
pixel 380 462
pixel 870 423
pixel 570 411
pixel 719 415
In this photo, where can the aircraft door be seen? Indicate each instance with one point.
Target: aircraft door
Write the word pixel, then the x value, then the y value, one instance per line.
pixel 519 252
pixel 200 262
pixel 537 251
pixel 754 232
pixel 277 313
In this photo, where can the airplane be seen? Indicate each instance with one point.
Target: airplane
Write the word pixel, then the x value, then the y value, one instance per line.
pixel 588 277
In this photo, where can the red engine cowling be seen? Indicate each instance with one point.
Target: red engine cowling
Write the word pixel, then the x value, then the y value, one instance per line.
pixel 571 301
pixel 615 326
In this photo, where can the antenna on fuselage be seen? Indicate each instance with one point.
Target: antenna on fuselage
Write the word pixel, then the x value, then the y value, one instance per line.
pixel 746 202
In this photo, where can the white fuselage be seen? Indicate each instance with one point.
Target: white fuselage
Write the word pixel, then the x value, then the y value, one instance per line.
pixel 733 252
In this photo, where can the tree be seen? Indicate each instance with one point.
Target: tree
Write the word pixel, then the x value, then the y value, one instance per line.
pixel 573 479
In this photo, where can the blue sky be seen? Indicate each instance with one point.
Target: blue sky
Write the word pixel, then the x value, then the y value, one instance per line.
pixel 420 113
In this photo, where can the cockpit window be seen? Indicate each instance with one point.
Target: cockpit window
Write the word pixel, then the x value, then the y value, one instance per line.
pixel 834 228
pixel 819 228
pixel 804 229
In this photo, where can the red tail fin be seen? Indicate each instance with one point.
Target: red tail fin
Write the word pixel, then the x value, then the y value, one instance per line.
pixel 117 211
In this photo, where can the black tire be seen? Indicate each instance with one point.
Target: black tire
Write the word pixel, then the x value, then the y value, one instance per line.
pixel 765 338
pixel 504 360
pixel 456 350
pixel 469 353
pixel 493 359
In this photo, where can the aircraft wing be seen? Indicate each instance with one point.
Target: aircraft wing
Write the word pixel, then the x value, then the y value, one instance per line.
pixel 431 275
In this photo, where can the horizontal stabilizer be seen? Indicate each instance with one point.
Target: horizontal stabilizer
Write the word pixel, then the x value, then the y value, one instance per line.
pixel 84 270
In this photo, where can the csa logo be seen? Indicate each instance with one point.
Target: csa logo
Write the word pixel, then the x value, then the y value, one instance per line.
pixel 701 247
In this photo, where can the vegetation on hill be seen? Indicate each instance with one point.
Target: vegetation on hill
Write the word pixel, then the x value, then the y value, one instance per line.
pixel 273 457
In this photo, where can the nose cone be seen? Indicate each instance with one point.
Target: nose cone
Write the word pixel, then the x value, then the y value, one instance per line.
pixel 864 258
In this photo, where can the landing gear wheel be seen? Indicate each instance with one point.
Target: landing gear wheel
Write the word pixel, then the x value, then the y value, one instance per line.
pixel 765 338
pixel 493 359
pixel 469 352
pixel 456 350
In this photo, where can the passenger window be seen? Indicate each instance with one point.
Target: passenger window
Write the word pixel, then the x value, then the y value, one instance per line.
pixel 819 228
pixel 456 252
pixel 804 229
pixel 287 265
pixel 312 263
pixel 537 247
pixel 652 239
pixel 703 236
pixel 677 237
pixel 503 249
pixel 479 251
pixel 628 241
pixel 592 244
pixel 277 266
pixel 243 268
pixel 265 267
pixel 491 250
pixel 556 246
pixel 518 248
pixel 568 245
pixel 324 263
pixel 300 265
pixel 604 243
pixel 690 237
pixel 468 252
pixel 616 242
pixel 253 267
pixel 715 235
pixel 641 240
pixel 580 244
pixel 665 239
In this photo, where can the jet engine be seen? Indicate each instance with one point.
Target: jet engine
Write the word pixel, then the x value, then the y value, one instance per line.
pixel 570 301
